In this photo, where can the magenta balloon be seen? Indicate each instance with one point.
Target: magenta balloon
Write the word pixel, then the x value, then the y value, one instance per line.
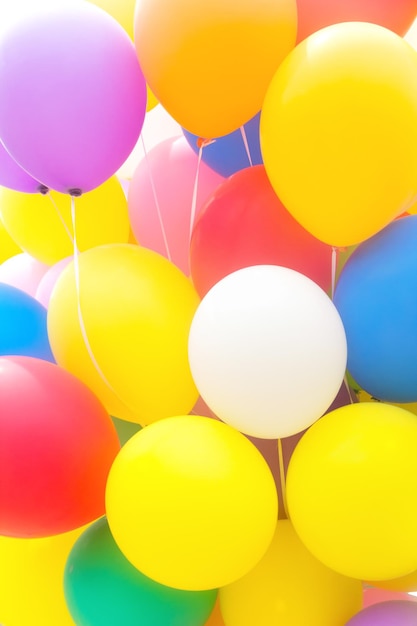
pixel 14 177
pixel 391 613
pixel 73 97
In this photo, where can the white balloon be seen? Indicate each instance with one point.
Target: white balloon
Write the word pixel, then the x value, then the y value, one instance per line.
pixel 267 351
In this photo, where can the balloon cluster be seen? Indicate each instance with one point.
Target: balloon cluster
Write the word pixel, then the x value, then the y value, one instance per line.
pixel 208 382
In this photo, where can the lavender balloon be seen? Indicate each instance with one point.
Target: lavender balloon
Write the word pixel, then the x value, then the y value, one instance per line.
pixel 13 177
pixel 392 613
pixel 73 97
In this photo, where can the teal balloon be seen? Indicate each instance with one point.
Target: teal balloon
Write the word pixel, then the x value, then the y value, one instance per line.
pixel 103 589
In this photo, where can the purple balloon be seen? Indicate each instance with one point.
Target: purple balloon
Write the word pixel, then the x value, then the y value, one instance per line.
pixel 391 613
pixel 13 177
pixel 73 96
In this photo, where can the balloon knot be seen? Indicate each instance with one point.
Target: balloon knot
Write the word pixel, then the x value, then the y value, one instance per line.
pixel 203 143
pixel 43 189
pixel 75 192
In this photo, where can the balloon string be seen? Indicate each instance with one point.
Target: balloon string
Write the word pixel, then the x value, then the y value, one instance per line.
pixel 64 224
pixel 79 311
pixel 195 190
pixel 349 390
pixel 246 144
pixel 334 266
pixel 155 197
pixel 282 477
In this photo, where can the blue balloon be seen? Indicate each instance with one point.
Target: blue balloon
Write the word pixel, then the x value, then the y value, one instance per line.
pixel 227 155
pixel 23 328
pixel 376 297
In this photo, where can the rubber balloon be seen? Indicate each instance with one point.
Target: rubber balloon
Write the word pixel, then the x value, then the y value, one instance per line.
pixel 23 272
pixel 13 177
pixel 340 115
pixel 244 223
pixel 43 225
pixel 315 14
pixel 229 154
pixel 31 574
pixel 160 198
pixel 58 444
pixel 267 351
pixel 123 11
pixel 8 246
pixel 290 586
pixel 191 503
pixel 348 490
pixel 47 284
pixel 102 587
pixel 136 309
pixel 79 123
pixel 400 613
pixel 23 325
pixel 376 300
pixel 213 62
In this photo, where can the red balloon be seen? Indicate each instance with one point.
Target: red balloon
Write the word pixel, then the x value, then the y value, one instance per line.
pixel 397 15
pixel 57 444
pixel 244 223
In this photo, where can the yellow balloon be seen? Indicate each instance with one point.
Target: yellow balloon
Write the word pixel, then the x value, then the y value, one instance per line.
pixel 289 586
pixel 8 246
pixel 404 583
pixel 350 490
pixel 42 225
pixel 210 63
pixel 339 131
pixel 191 503
pixel 31 580
pixel 131 347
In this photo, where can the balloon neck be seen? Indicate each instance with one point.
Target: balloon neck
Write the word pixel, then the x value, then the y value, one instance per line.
pixel 75 193
pixel 43 189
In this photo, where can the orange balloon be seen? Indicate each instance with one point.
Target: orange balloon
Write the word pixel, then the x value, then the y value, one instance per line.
pixel 209 63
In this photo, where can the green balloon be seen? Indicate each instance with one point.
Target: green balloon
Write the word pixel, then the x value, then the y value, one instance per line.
pixel 125 430
pixel 103 589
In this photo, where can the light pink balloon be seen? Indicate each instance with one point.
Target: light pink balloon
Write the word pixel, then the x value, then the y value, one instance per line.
pixel 168 173
pixel 23 272
pixel 47 284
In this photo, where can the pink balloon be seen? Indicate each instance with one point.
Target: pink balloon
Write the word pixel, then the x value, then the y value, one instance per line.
pixel 48 281
pixel 73 97
pixel 13 177
pixel 23 272
pixel 170 170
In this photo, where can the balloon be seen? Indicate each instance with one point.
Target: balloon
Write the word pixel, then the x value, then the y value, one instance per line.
pixel 191 503
pixel 123 11
pixel 57 447
pixel 8 247
pixel 404 583
pixel 400 613
pixel 23 272
pixel 136 310
pixel 47 284
pixel 227 155
pixel 31 574
pixel 348 491
pixel 168 173
pixel 316 14
pixel 289 586
pixel 79 122
pixel 371 595
pixel 267 351
pixel 23 326
pixel 212 63
pixel 376 299
pixel 215 618
pixel 12 175
pixel 243 223
pixel 339 129
pixel 43 225
pixel 102 587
